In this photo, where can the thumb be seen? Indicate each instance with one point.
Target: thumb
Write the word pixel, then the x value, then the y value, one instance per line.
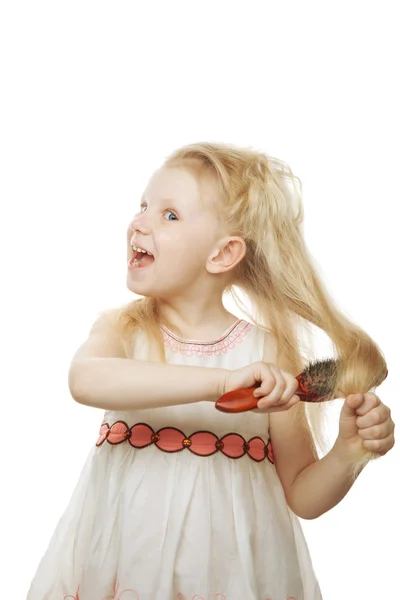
pixel 351 404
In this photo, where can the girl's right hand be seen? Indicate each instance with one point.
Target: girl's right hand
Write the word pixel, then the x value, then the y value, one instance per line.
pixel 276 391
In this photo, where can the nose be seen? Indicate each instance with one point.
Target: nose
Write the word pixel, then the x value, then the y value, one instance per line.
pixel 139 224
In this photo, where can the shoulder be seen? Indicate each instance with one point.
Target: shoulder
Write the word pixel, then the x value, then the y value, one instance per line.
pixel 270 347
pixel 104 338
pixel 108 325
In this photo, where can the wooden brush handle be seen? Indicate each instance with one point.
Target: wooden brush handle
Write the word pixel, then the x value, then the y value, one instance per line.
pixel 242 399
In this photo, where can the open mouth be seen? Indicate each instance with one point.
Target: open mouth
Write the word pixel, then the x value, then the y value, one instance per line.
pixel 140 259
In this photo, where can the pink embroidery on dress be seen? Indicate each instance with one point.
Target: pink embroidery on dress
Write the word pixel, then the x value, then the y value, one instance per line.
pixel 197 597
pixel 122 595
pixel 73 597
pixel 136 596
pixel 220 346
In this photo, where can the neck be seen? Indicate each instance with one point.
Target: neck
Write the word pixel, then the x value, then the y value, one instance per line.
pixel 187 320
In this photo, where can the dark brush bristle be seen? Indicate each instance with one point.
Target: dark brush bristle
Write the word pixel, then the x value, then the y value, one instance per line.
pixel 320 377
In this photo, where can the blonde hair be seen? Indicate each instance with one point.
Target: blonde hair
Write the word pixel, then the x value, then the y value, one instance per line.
pixel 262 203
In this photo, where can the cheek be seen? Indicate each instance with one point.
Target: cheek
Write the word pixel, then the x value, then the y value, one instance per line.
pixel 185 258
pixel 194 249
pixel 189 246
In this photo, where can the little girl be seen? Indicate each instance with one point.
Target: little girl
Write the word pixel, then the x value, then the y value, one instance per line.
pixel 177 500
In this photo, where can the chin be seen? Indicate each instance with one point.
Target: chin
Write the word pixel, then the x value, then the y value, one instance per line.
pixel 137 288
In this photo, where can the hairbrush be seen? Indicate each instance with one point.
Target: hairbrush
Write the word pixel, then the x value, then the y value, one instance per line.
pixel 317 383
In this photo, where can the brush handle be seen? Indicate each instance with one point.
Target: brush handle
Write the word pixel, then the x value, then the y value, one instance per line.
pixel 242 400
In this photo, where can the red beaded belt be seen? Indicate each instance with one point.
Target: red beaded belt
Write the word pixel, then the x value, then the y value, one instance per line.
pixel 170 439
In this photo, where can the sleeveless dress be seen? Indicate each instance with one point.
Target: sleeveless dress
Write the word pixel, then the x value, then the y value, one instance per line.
pixel 181 502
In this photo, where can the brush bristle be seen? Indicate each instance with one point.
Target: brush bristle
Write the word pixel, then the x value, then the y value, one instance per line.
pixel 320 377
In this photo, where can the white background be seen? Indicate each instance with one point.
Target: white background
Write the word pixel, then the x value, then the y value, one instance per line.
pixel 94 96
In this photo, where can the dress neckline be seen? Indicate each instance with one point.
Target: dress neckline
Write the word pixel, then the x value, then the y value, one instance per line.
pixel 198 342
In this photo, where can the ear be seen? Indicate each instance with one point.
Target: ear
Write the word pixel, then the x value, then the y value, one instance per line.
pixel 229 253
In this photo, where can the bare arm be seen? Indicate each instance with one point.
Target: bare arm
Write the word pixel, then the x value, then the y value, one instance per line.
pixel 321 485
pixel 312 486
pixel 102 376
pixel 127 384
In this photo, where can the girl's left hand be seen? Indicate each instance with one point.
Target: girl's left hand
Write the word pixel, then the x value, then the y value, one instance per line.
pixel 365 425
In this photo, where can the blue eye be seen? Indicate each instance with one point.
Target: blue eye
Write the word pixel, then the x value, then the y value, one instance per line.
pixel 143 205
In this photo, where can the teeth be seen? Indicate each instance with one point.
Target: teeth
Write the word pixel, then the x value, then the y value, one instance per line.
pixel 140 250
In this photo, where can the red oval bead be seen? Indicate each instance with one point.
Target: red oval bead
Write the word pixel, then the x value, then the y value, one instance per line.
pixel 203 443
pixel 140 435
pixel 269 452
pixel 170 439
pixel 256 449
pixel 104 430
pixel 117 432
pixel 233 445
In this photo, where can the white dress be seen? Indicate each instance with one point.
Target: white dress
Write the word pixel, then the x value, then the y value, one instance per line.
pixel 156 524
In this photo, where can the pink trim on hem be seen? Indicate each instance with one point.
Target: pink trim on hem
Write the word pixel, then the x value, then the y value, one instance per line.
pixel 216 596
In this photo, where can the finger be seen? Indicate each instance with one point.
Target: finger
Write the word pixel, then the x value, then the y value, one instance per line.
pixel 371 400
pixel 379 446
pixel 375 416
pixel 292 385
pixel 352 404
pixel 274 397
pixel 377 432
pixel 281 407
pixel 267 382
pixel 290 382
pixel 278 393
pixel 288 405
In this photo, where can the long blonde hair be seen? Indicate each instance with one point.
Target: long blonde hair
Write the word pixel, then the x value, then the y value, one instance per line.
pixel 262 202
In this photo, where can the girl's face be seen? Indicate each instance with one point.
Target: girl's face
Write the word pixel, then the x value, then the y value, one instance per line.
pixel 180 229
